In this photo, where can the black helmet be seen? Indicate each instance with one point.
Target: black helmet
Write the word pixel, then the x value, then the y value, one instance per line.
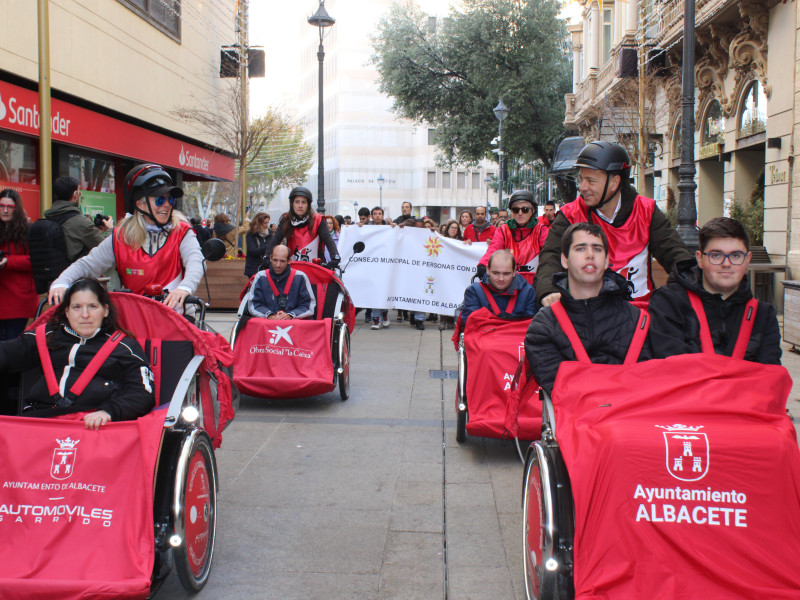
pixel 522 196
pixel 300 191
pixel 605 156
pixel 147 180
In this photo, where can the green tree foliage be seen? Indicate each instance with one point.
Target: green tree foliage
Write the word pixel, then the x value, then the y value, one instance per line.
pixel 750 213
pixel 451 75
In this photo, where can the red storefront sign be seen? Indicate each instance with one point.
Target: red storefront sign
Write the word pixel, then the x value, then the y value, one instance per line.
pixel 19 111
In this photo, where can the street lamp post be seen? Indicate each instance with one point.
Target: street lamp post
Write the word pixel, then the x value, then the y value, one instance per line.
pixel 355 211
pixel 501 112
pixel 487 181
pixel 321 19
pixel 380 187
pixel 687 210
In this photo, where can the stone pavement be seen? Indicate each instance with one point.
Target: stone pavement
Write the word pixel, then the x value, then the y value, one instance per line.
pixel 371 498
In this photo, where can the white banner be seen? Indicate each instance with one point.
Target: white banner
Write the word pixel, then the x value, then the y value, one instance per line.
pixel 407 268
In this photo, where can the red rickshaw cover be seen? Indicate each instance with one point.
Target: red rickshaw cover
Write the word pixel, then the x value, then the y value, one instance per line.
pixel 494 348
pixel 686 478
pixel 76 508
pixel 284 359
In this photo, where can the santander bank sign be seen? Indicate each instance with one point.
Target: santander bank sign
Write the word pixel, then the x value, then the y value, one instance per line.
pixel 78 126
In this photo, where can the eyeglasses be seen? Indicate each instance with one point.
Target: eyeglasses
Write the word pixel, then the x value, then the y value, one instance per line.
pixel 718 258
pixel 161 199
pixel 520 209
pixel 7 207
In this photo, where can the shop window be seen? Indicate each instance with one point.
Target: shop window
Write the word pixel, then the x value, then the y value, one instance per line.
pixel 753 118
pixel 713 136
pixel 18 159
pixel 94 174
pixel 163 14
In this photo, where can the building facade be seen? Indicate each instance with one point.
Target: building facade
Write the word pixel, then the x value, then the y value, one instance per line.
pixel 118 70
pixel 746 102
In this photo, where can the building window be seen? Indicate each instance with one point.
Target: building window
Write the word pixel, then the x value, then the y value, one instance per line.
pixel 94 173
pixel 608 36
pixel 430 138
pixel 18 159
pixel 461 180
pixel 432 179
pixel 446 180
pixel 476 181
pixel 713 125
pixel 753 119
pixel 163 14
pixel 676 141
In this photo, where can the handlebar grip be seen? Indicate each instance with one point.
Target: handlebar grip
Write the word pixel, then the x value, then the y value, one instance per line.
pixel 195 300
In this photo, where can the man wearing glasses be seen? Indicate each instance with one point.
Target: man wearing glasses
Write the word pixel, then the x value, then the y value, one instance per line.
pixel 80 234
pixel 709 307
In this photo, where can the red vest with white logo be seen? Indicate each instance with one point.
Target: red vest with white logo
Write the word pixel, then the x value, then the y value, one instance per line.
pixel 304 241
pixel 628 245
pixel 136 268
pixel 526 251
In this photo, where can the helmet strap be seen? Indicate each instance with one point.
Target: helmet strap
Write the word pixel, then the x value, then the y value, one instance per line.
pixel 149 213
pixel 605 200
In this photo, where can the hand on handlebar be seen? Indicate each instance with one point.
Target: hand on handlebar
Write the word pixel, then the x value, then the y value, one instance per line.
pixel 175 298
pixel 55 295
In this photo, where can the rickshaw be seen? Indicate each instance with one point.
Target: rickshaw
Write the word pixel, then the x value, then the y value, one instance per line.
pixel 300 357
pixel 676 478
pixel 107 513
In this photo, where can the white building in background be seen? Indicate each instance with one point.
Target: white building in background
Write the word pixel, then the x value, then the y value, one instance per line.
pixel 363 138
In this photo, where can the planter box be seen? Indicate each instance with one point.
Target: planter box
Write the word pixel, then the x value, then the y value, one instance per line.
pixel 791 312
pixel 226 280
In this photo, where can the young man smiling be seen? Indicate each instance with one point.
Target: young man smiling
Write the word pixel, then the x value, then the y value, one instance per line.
pixel 710 292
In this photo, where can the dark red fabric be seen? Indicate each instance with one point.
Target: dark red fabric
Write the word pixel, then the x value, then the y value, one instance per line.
pixel 524 413
pixel 494 347
pixel 320 275
pixel 16 283
pixel 100 542
pixel 284 358
pixel 136 268
pixel 146 319
pixel 484 236
pixel 638 532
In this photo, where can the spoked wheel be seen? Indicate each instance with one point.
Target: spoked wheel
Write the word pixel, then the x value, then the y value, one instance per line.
pixel 343 377
pixel 461 393
pixel 195 511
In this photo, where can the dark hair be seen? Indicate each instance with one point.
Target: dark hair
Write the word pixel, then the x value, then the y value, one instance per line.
pixel 447 230
pixel 363 211
pixel 376 208
pixel 406 202
pixel 64 187
pixel 723 227
pixel 462 212
pixel 87 284
pixel 590 228
pixel 339 219
pixel 286 226
pixel 503 252
pixel 550 203
pixel 16 230
pixel 257 222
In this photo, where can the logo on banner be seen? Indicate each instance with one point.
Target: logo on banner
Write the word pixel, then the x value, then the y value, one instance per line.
pixel 429 281
pixel 433 246
pixel 281 333
pixel 63 465
pixel 2 109
pixel 687 451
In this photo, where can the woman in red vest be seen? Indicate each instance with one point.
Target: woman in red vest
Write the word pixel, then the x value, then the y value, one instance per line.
pixel 302 229
pixel 523 235
pixel 155 244
pixel 89 364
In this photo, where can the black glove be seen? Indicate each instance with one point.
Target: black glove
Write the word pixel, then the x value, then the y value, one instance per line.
pixel 481 271
pixel 332 265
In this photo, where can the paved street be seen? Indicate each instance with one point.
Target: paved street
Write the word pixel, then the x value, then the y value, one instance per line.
pixel 370 498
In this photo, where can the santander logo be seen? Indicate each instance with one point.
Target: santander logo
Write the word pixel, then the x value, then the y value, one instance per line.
pixel 2 109
pixel 187 159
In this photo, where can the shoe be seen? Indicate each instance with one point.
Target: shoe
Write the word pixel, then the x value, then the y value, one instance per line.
pixel 420 325
pixel 376 324
pixel 385 320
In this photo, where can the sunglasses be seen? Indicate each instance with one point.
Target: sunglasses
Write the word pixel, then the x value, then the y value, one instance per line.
pixel 520 209
pixel 162 199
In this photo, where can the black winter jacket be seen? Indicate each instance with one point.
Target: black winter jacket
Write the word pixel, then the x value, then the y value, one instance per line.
pixel 674 328
pixel 665 244
pixel 257 245
pixel 123 386
pixel 605 325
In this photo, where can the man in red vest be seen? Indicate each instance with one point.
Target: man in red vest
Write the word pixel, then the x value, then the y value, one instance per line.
pixel 480 230
pixel 549 214
pixel 636 229
pixel 593 316
pixel 709 306
pixel 281 292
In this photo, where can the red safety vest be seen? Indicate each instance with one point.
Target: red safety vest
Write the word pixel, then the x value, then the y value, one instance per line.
pixel 628 245
pixel 526 251
pixel 746 328
pixel 493 303
pixel 137 269
pixel 486 235
pixel 286 286
pixel 304 242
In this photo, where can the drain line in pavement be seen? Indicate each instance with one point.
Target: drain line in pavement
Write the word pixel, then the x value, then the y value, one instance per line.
pixel 444 468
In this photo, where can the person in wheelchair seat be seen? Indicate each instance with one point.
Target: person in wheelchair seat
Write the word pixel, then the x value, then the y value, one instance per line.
pixel 281 292
pixel 594 299
pixel 502 290
pixel 712 286
pixel 89 363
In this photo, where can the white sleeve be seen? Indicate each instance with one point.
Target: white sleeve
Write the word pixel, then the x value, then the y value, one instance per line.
pixel 94 264
pixel 192 259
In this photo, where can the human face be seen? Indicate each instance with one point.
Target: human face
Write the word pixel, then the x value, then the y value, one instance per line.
pixel 363 219
pixel 480 215
pixel 591 183
pixel 501 273
pixel 329 221
pixel 725 278
pixel 406 208
pixel 161 213
pixel 300 205
pixel 549 212
pixel 85 314
pixel 494 218
pixel 377 216
pixel 348 220
pixel 465 218
pixel 502 216
pixel 279 260
pixel 522 212
pixel 452 230
pixel 264 224
pixel 587 260
pixel 7 209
